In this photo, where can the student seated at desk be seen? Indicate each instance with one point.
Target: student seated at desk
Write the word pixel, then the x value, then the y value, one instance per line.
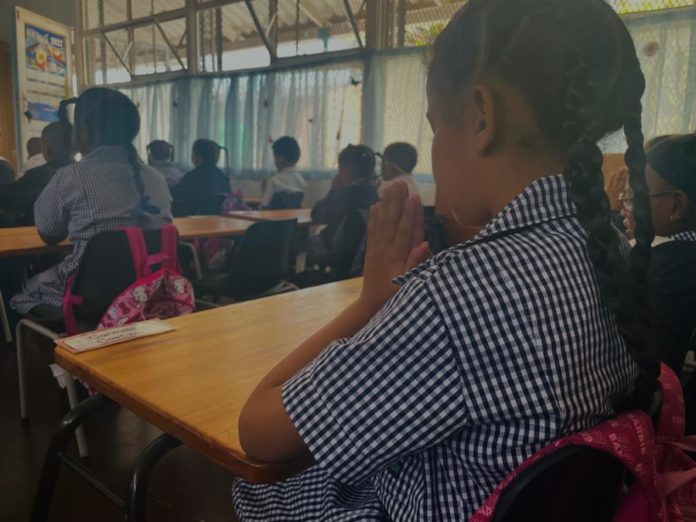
pixel 160 156
pixel 398 162
pixel 18 199
pixel 35 157
pixel 206 181
pixel 671 178
pixel 422 396
pixel 287 182
pixel 353 188
pixel 108 189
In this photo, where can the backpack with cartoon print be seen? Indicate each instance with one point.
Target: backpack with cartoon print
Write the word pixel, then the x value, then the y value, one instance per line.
pixel 155 294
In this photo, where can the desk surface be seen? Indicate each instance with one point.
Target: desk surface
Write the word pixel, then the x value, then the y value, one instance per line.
pixel 303 215
pixel 210 226
pixel 192 383
pixel 18 241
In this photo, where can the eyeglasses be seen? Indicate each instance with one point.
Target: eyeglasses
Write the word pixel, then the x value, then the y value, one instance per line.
pixel 626 198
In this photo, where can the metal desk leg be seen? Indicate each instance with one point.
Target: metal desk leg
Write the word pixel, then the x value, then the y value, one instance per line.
pixel 51 467
pixel 142 471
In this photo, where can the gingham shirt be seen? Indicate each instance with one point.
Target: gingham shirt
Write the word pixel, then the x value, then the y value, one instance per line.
pixel 689 235
pixel 489 351
pixel 94 195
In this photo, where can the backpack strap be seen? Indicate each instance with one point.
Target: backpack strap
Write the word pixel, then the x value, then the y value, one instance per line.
pixel 143 262
pixel 70 300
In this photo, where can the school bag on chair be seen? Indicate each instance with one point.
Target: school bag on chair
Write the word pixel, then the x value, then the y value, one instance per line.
pixel 158 291
pixel 662 485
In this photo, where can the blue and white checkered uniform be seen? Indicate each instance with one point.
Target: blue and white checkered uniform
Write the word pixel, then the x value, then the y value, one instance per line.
pixel 96 194
pixel 489 351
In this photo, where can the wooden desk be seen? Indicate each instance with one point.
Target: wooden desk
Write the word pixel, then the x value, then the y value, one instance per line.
pixel 192 383
pixel 19 241
pixel 253 202
pixel 303 215
pixel 194 227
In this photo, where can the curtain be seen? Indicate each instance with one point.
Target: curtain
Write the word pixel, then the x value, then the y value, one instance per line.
pixel 377 100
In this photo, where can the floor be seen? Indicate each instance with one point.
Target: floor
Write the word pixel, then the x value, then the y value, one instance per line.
pixel 184 487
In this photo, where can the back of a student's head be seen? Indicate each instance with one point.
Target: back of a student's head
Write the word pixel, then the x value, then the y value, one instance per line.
pixel 33 146
pixel 160 150
pixel 541 82
pixel 205 153
pixel 359 161
pixel 399 158
pixel 286 152
pixel 105 117
pixel 55 140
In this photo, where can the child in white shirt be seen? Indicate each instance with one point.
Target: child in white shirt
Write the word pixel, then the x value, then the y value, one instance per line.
pixel 286 153
pixel 398 162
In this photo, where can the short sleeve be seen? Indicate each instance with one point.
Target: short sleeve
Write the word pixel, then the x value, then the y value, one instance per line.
pixel 268 193
pixel 51 212
pixel 392 390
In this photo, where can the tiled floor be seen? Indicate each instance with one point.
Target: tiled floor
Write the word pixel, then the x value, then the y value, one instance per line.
pixel 184 487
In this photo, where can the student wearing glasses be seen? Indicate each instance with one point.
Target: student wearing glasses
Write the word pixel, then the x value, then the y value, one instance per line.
pixel 671 180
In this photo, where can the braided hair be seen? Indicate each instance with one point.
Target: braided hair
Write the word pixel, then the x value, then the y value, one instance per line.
pixel 106 117
pixel 575 64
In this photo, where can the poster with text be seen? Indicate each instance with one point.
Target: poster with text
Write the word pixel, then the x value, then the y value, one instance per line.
pixel 44 73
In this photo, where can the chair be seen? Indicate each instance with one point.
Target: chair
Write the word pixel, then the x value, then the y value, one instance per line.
pixel 286 200
pixel 260 264
pixel 346 242
pixel 572 484
pixel 106 269
pixel 207 206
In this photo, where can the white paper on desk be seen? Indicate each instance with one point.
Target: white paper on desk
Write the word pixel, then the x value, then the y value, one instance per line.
pixel 109 336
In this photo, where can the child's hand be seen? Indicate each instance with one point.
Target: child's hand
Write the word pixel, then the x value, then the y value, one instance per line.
pixel 394 243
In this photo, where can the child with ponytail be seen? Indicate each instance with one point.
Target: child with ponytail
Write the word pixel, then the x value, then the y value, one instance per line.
pixel 108 189
pixel 418 399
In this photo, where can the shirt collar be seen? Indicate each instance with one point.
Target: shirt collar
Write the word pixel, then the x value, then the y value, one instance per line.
pixel 545 199
pixel 689 235
pixel 112 152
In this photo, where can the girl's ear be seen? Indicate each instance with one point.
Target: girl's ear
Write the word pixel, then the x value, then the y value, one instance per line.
pixel 680 207
pixel 484 117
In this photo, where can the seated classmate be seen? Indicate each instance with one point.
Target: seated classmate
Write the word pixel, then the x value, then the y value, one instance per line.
pixel 353 188
pixel 205 181
pixel 18 198
pixel 423 395
pixel 108 189
pixel 671 179
pixel 398 162
pixel 7 175
pixel 34 156
pixel 160 156
pixel 286 154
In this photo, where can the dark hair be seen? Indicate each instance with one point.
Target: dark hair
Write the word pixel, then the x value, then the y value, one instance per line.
pixel 288 148
pixel 110 118
pixel 403 155
pixel 160 150
pixel 208 151
pixel 576 65
pixel 360 160
pixel 674 159
pixel 57 138
pixel 33 146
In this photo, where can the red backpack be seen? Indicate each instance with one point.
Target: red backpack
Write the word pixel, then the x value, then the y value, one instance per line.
pixel 162 294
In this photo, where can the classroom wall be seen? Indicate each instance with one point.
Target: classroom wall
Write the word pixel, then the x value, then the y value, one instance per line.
pixel 63 11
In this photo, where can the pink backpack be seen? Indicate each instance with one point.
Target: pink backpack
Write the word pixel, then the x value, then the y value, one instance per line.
pixel 161 294
pixel 664 489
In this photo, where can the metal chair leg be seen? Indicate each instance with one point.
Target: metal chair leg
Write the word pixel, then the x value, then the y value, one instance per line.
pixel 142 471
pixel 5 320
pixel 51 467
pixel 20 372
pixel 72 400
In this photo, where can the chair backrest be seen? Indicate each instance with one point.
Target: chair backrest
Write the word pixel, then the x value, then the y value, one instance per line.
pixel 572 484
pixel 106 269
pixel 262 259
pixel 286 200
pixel 207 206
pixel 346 242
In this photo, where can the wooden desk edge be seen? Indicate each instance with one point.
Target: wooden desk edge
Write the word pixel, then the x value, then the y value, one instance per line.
pixel 254 472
